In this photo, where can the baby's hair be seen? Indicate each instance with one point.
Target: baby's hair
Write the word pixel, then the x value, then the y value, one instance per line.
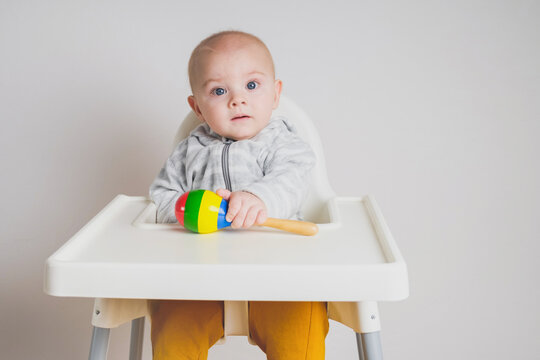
pixel 207 44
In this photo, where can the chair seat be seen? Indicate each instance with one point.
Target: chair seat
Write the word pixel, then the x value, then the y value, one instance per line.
pixel 362 317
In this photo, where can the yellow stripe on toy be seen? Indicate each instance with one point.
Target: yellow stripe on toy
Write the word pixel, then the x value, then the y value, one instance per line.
pixel 208 212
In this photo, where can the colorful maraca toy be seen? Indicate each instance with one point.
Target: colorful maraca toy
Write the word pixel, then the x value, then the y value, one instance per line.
pixel 204 212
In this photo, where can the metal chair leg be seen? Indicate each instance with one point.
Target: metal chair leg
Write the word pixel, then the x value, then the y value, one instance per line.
pixel 369 346
pixel 99 344
pixel 137 335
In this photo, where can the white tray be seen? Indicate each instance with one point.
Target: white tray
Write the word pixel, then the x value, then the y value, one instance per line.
pixel 120 254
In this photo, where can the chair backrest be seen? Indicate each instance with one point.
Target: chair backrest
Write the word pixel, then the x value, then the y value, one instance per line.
pixel 315 207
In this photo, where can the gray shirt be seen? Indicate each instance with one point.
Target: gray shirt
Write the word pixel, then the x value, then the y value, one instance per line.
pixel 274 165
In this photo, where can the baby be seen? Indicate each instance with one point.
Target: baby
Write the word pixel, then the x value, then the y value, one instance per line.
pixel 261 167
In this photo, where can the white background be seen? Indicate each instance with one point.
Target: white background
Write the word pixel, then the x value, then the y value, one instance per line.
pixel 433 107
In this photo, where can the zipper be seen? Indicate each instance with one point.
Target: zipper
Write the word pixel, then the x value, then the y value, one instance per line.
pixel 225 165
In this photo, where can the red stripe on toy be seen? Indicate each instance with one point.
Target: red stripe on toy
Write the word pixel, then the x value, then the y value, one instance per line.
pixel 180 208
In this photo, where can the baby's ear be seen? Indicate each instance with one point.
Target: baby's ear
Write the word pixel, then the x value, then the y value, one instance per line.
pixel 277 93
pixel 193 104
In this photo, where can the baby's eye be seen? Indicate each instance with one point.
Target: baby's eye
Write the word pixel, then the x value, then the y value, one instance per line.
pixel 251 85
pixel 219 91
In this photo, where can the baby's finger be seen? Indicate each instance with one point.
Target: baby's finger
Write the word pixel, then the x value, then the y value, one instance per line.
pixel 239 218
pixel 251 216
pixel 224 193
pixel 232 210
pixel 261 217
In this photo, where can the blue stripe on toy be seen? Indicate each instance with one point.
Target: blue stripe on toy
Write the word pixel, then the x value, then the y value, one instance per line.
pixel 221 222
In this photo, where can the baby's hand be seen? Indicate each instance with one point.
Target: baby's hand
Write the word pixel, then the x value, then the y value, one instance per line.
pixel 245 209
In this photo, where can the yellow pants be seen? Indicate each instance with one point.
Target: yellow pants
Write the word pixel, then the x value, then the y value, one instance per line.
pixel 283 330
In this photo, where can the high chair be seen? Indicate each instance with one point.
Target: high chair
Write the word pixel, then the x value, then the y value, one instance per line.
pixel 123 257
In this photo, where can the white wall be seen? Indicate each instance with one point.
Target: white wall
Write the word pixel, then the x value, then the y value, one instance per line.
pixel 431 106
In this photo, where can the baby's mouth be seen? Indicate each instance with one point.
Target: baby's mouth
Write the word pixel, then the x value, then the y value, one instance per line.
pixel 240 117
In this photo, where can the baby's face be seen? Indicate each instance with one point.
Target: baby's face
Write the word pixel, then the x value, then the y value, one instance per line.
pixel 235 90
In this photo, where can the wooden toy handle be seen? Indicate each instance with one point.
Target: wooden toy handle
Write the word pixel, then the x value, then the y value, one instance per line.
pixel 293 226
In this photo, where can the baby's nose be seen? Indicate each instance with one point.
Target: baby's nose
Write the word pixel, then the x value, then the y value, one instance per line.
pixel 237 99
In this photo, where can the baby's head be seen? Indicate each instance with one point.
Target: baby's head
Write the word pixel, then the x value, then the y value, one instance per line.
pixel 232 78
